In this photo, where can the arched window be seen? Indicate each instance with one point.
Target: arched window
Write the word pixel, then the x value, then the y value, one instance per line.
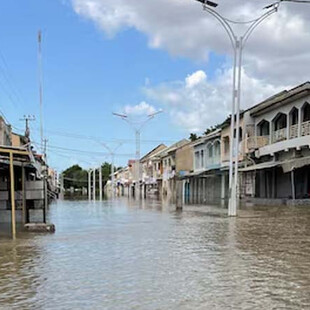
pixel 280 121
pixel 263 128
pixel 306 112
pixel 294 116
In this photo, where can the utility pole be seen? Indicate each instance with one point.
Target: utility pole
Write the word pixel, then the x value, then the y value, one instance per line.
pixel 45 176
pixel 40 84
pixel 27 119
pixel 137 127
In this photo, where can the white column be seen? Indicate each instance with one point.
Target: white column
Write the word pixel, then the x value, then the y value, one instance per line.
pixel 287 126
pixel 100 183
pixel 270 132
pixel 299 122
pixel 94 184
pixel 223 187
pixel 89 184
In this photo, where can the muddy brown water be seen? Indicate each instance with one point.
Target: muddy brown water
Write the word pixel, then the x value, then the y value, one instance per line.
pixel 125 255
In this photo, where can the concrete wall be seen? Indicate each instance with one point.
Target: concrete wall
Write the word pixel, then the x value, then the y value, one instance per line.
pixel 184 158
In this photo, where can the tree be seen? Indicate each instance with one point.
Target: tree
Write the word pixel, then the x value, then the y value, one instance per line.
pixel 193 137
pixel 75 176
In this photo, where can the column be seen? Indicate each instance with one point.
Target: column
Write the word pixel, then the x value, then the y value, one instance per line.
pixel 287 126
pixel 223 188
pixel 12 196
pixel 270 132
pixel 24 194
pixel 299 122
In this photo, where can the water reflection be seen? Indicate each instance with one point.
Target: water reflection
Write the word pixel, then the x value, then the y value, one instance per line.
pixel 128 254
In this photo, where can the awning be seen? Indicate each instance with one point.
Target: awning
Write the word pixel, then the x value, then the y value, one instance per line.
pixel 266 165
pixel 296 163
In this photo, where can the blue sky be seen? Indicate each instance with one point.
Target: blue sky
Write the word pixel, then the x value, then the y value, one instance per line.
pixel 87 76
pixel 90 72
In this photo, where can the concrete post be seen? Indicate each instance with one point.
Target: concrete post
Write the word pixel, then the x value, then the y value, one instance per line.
pixel 223 193
pixel 24 194
pixel 287 127
pixel 94 184
pixel 100 183
pixel 179 194
pixel 89 184
pixel 12 196
pixel 299 122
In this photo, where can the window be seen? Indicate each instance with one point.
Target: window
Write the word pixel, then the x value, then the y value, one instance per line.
pixel 196 160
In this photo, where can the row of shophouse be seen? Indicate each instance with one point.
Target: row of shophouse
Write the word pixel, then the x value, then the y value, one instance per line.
pixel 273 158
pixel 27 184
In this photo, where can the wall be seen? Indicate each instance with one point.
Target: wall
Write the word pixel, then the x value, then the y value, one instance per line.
pixel 184 158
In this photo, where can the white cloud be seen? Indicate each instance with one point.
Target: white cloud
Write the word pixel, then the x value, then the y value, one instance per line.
pixel 206 102
pixel 277 51
pixel 140 109
pixel 195 79
pixel 276 55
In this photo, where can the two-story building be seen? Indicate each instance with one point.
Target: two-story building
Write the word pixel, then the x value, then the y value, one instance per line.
pixel 204 183
pixel 277 146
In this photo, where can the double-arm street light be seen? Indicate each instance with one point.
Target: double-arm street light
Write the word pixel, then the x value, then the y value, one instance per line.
pixel 112 154
pixel 238 43
pixel 137 127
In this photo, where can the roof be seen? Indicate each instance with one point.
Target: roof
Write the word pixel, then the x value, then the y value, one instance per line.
pixel 280 99
pixel 266 165
pixel 154 151
pixel 209 136
pixel 173 147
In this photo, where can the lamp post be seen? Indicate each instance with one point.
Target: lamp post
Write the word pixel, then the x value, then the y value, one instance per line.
pixel 112 154
pixel 238 44
pixel 137 127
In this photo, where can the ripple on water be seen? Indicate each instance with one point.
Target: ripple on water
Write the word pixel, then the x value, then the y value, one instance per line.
pixel 122 255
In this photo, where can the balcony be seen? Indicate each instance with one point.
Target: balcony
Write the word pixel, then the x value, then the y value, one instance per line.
pixel 257 142
pixel 305 128
pixel 279 135
pixel 294 131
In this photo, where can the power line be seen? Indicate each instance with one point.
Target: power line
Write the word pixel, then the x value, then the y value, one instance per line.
pixel 82 151
pixel 94 138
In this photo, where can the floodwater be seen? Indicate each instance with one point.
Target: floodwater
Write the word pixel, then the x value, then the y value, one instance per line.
pixel 122 255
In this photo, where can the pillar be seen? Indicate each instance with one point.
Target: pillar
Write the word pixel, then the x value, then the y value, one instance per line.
pixel 12 187
pixel 299 122
pixel 100 183
pixel 287 126
pixel 223 194
pixel 293 184
pixel 24 195
pixel 94 184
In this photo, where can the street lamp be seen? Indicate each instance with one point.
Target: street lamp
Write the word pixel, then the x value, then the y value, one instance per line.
pixel 137 127
pixel 112 154
pixel 238 43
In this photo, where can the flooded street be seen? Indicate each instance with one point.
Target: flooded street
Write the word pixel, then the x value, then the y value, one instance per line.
pixel 119 255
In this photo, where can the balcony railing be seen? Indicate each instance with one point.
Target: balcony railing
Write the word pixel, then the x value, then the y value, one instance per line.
pixel 279 135
pixel 257 142
pixel 294 131
pixel 305 128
